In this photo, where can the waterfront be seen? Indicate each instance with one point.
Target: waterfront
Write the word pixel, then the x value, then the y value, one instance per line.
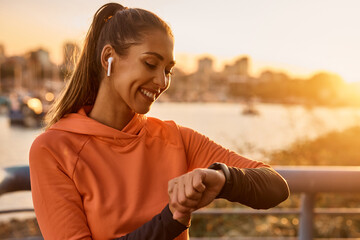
pixel 276 127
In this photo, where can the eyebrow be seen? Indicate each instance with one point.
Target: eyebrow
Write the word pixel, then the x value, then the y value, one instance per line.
pixel 158 56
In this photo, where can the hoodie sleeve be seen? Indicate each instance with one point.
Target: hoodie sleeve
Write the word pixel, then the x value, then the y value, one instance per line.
pixel 254 183
pixel 161 227
pixel 59 209
pixel 57 203
pixel 259 188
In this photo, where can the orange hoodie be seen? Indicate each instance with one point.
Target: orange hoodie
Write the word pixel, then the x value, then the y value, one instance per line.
pixel 90 181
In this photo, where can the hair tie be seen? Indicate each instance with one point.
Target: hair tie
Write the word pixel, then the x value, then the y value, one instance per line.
pixel 107 19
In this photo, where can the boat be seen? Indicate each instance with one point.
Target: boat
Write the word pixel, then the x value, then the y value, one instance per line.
pixel 250 109
pixel 25 111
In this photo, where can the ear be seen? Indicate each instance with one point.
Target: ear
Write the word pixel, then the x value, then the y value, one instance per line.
pixel 107 51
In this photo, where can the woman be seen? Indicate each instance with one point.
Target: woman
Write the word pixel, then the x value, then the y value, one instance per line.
pixel 103 170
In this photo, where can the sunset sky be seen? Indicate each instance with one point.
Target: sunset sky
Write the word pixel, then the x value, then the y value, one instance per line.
pixel 301 37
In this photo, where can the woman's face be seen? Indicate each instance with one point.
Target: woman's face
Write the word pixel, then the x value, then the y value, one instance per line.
pixel 143 74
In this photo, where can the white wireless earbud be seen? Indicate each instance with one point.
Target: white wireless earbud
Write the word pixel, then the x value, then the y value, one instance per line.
pixel 110 59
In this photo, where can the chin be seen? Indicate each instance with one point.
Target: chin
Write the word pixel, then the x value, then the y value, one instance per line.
pixel 143 110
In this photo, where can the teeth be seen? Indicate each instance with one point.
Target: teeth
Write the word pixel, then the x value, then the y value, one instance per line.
pixel 147 93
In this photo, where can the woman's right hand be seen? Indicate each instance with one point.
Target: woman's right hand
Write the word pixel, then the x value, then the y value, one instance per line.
pixel 192 191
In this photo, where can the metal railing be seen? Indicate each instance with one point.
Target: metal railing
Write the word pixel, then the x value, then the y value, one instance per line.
pixel 307 180
pixel 311 180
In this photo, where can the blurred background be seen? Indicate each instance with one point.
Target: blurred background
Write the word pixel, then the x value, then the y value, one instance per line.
pixel 276 81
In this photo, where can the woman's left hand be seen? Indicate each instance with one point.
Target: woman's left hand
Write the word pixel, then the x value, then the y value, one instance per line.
pixel 194 190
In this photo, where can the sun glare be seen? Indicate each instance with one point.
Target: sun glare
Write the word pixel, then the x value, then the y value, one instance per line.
pixel 35 104
pixel 283 33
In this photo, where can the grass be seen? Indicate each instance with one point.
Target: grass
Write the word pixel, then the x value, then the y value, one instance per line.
pixel 333 149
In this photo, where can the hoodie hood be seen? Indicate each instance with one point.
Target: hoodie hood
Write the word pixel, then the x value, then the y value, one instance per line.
pixel 82 124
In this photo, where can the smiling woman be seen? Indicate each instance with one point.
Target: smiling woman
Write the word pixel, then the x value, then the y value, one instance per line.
pixel 104 170
pixel 137 79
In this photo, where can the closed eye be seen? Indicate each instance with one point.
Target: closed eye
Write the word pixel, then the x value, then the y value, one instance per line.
pixel 151 66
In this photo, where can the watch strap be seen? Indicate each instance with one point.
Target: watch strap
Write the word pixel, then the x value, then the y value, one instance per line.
pixel 228 179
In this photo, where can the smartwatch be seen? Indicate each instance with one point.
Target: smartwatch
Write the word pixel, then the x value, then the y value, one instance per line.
pixel 228 179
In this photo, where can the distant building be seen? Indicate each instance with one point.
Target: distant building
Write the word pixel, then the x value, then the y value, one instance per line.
pixel 206 84
pixel 71 53
pixel 2 59
pixel 239 82
pixel 2 52
pixel 201 78
pixel 270 76
pixel 40 69
pixel 179 87
pixel 205 66
pixel 239 68
pixel 12 72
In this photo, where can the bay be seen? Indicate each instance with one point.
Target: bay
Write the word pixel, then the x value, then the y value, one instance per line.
pixel 253 136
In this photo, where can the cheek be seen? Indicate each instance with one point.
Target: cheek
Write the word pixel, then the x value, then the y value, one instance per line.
pixel 119 85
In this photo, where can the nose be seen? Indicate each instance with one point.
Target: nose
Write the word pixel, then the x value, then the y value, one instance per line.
pixel 161 80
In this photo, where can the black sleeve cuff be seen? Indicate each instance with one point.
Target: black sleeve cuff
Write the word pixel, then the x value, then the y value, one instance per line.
pixel 161 227
pixel 259 188
pixel 170 223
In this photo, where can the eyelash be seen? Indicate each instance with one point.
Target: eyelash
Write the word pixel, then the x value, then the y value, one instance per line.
pixel 152 67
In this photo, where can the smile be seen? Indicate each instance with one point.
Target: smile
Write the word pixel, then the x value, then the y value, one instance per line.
pixel 148 94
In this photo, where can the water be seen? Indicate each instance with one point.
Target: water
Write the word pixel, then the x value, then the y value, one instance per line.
pixel 275 128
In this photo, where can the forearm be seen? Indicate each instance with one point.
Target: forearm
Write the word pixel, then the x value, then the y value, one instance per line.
pixel 161 227
pixel 259 188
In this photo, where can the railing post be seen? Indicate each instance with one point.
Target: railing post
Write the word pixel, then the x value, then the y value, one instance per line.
pixel 306 216
pixel 14 179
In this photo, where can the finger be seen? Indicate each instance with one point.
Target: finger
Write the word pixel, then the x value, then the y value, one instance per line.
pixel 175 196
pixel 171 184
pixel 191 192
pixel 198 180
pixel 183 200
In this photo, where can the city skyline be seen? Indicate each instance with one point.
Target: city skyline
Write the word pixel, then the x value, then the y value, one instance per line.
pixel 299 38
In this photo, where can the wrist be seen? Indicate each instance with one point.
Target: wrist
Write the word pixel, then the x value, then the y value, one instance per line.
pixel 222 177
pixel 228 179
pixel 185 220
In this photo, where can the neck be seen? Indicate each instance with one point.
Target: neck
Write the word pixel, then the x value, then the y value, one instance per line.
pixel 108 112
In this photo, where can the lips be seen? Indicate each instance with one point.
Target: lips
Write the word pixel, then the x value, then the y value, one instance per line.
pixel 151 95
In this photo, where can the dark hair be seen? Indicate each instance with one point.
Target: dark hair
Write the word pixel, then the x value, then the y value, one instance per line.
pixel 112 24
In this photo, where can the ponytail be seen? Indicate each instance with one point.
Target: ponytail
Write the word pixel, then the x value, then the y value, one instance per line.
pixel 112 24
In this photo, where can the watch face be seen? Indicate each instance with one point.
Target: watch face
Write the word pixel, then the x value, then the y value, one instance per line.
pixel 215 166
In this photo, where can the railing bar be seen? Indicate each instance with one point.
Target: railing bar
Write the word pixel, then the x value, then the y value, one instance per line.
pixel 263 238
pixel 219 211
pixel 285 211
pixel 26 238
pixel 307 180
pixel 245 238
pixel 335 211
pixel 16 210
